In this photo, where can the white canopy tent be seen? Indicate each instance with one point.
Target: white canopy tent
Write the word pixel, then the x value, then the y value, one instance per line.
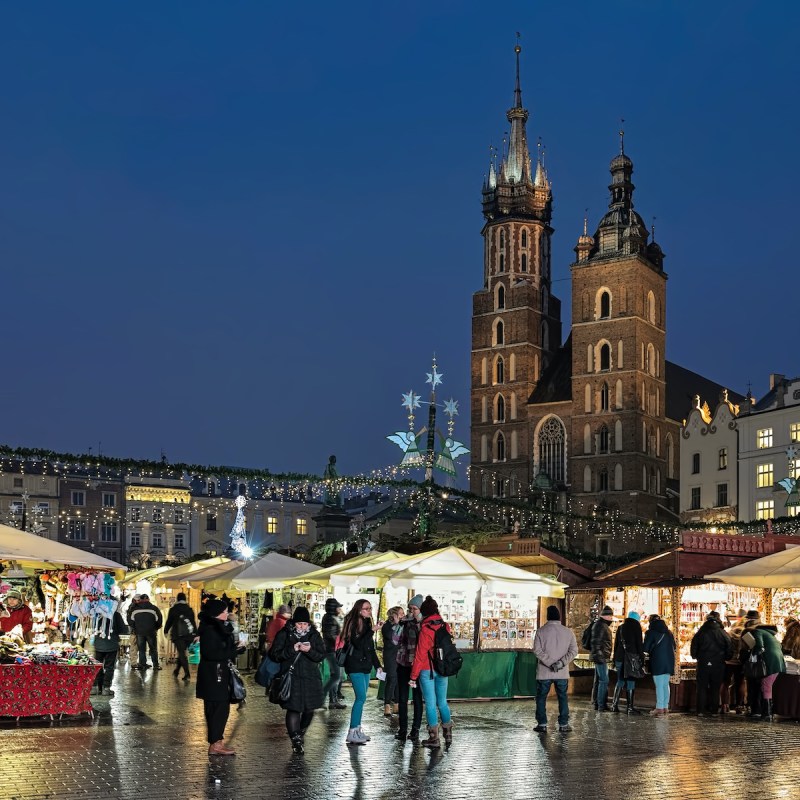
pixel 776 571
pixel 173 578
pixel 322 577
pixel 269 572
pixel 33 551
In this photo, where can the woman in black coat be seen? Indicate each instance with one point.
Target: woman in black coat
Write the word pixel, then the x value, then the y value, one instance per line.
pixel 217 648
pixel 299 645
pixel 628 637
pixel 659 644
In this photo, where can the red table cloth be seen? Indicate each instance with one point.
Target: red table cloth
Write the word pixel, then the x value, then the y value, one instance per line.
pixel 29 690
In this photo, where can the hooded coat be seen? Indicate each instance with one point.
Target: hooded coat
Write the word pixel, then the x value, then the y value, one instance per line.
pixel 217 647
pixel 630 632
pixel 306 694
pixel 659 643
pixel 766 637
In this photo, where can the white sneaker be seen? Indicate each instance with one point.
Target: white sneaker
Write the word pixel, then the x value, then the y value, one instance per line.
pixel 354 737
pixel 363 735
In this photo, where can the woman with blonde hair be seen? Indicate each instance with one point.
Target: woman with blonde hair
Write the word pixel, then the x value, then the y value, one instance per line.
pixel 360 659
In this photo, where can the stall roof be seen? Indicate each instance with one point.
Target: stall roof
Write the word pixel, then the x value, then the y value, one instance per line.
pixel 268 572
pixel 132 578
pixel 779 570
pixel 35 551
pixel 322 577
pixel 177 575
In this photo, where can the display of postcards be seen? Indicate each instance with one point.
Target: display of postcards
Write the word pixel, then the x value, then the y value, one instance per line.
pixel 522 622
pixel 512 624
pixel 504 634
pixel 503 624
pixel 531 623
pixel 494 623
pixel 490 604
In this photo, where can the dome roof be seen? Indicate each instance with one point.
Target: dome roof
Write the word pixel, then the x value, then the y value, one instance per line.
pixel 619 216
pixel 621 162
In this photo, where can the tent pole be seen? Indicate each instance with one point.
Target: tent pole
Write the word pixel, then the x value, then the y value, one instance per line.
pixel 476 639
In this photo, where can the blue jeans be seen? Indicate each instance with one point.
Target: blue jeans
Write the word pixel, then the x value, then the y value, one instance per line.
pixel 360 681
pixel 627 684
pixel 542 690
pixel 434 690
pixel 662 690
pixel 601 673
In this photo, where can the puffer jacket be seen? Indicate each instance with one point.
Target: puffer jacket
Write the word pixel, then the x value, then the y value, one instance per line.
pixel 144 618
pixel 601 641
pixel 630 632
pixel 331 628
pixel 306 693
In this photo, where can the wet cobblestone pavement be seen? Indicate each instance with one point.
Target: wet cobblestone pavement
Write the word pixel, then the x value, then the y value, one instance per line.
pixel 148 743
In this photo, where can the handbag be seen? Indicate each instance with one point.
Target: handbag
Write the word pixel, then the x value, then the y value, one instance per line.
pixel 267 670
pixel 342 654
pixel 632 665
pixel 755 667
pixel 280 690
pixel 236 687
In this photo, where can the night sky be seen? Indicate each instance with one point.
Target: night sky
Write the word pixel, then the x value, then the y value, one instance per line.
pixel 238 231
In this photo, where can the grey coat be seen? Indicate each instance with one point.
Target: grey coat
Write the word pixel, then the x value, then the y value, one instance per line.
pixel 553 643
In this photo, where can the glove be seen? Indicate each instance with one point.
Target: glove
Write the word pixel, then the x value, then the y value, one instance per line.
pixel 557 665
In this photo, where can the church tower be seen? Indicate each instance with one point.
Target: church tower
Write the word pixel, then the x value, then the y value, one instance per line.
pixel 620 436
pixel 516 321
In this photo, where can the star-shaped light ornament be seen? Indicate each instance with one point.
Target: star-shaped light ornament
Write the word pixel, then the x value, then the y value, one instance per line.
pixel 451 409
pixel 434 377
pixel 410 401
pixel 791 452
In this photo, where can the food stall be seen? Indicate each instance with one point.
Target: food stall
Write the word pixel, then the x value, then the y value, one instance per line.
pixel 77 596
pixel 481 598
pixel 675 584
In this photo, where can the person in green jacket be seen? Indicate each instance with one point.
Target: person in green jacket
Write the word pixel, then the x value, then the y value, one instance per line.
pixel 765 643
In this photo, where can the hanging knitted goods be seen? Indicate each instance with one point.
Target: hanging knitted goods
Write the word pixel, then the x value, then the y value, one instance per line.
pixel 73 583
pixel 108 582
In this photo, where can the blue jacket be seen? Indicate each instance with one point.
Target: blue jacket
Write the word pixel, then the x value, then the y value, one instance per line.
pixel 660 644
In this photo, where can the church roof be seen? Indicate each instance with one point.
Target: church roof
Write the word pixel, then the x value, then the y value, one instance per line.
pixel 555 385
pixel 682 385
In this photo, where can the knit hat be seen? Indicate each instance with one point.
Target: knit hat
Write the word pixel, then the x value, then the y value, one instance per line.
pixel 301 615
pixel 633 615
pixel 416 600
pixel 14 593
pixel 214 607
pixel 753 614
pixel 713 615
pixel 137 598
pixel 331 604
pixel 553 613
pixel 429 606
pixel 607 611
pixel 284 609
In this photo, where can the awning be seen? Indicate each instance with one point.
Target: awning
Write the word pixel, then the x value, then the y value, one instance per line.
pixel 779 570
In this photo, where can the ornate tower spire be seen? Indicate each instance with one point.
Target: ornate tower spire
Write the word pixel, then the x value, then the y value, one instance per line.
pixel 518 155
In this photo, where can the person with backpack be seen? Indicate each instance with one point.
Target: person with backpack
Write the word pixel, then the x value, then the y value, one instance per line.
pixel 434 648
pixel 181 626
pixel 600 648
pixel 554 647
pixel 360 659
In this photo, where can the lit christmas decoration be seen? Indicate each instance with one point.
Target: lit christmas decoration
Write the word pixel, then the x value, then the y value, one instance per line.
pixel 238 531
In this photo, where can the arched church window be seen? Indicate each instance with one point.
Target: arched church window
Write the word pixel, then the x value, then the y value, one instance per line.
pixel 552 438
pixel 500 370
pixel 501 447
pixel 501 296
pixel 605 305
pixel 605 356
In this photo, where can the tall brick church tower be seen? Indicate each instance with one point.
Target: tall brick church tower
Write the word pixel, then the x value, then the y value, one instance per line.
pixel 516 321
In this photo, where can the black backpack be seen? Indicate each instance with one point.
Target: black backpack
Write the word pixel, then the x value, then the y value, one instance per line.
pixel 586 638
pixel 184 628
pixel 445 659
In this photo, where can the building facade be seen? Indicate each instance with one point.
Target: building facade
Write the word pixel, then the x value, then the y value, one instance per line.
pixel 29 497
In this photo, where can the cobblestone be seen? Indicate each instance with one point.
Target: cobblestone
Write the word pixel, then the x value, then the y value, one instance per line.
pixel 148 743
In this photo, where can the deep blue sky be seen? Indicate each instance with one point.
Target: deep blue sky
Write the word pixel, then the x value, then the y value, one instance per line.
pixel 238 230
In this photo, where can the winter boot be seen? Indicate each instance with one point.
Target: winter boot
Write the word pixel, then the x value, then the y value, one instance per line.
pixel 447 731
pixel 297 743
pixel 395 708
pixel 413 736
pixel 387 710
pixel 630 697
pixel 766 710
pixel 615 701
pixel 401 735
pixel 354 737
pixel 433 738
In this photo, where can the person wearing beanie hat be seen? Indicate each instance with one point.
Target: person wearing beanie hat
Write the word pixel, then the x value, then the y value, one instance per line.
pixel 19 614
pixel 299 647
pixel 628 641
pixel 555 647
pixel 600 648
pixel 433 685
pixel 406 650
pixel 218 647
pixel 331 629
pixel 659 644
pixel 711 647
pixel 634 615
pixel 181 626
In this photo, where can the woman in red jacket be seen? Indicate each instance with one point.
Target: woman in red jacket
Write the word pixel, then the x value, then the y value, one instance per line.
pixel 433 685
pixel 18 614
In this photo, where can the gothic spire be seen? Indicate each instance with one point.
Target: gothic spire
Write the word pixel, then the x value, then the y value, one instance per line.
pixel 518 154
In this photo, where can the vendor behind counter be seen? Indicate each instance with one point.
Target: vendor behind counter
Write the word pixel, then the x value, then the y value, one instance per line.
pixel 15 612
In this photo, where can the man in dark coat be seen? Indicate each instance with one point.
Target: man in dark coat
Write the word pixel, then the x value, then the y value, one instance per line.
pixel 106 649
pixel 146 621
pixel 182 626
pixel 331 628
pixel 601 655
pixel 627 640
pixel 299 647
pixel 711 647
pixel 217 648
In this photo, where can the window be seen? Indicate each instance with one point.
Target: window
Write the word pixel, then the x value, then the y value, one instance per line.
pixel 765 509
pixel 794 432
pixel 502 238
pixel 765 476
pixel 17 483
pixel 136 514
pixel 501 296
pixel 108 532
pixel 77 530
pixel 524 263
pixel 43 509
pixel 158 540
pixel 763 438
pixel 158 516
pixel 272 525
pixel 501 447
pixel 136 539
pixel 502 267
pixel 605 357
pixel 723 458
pixel 211 521
pixel 242 489
pixel 794 468
pixel 551 449
pixel 603 441
pixel 605 305
pixel 524 238
pixel 212 487
pixel 500 487
pixel 695 501
pixel 79 498
pixel 16 507
pixel 602 547
pixel 604 397
pixel 178 516
pixel 500 371
pixel 695 463
pixel 500 413
pixel 722 495
pixel 602 480
pixel 301 526
pixel 179 541
pixel 499 332
pixel 109 500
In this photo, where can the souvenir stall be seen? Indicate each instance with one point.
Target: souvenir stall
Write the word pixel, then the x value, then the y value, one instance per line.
pixel 778 577
pixel 481 599
pixel 674 585
pixel 77 596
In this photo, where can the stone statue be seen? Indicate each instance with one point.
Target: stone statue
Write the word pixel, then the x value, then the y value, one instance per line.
pixel 331 497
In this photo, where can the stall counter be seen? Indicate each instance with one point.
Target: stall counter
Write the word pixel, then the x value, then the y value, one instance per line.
pixel 30 690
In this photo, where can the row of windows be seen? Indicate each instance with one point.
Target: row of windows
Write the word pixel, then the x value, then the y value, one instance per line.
pixel 600 481
pixel 77 531
pixel 765 438
pixel 765 509
pixel 157 540
pixel 157 515
pixel 603 397
pixel 722 497
pixel 603 305
pixel 78 498
pixel 499 334
pixel 722 460
pixel 271 527
pixel 523 238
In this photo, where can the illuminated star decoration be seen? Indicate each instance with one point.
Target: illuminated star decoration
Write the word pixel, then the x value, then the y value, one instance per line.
pixel 434 377
pixel 238 532
pixel 451 409
pixel 410 401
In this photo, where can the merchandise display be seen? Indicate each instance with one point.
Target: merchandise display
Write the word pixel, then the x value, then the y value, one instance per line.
pixel 508 621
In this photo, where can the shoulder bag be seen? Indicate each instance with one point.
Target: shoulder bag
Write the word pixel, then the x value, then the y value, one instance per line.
pixel 632 666
pixel 280 690
pixel 237 689
pixel 755 667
